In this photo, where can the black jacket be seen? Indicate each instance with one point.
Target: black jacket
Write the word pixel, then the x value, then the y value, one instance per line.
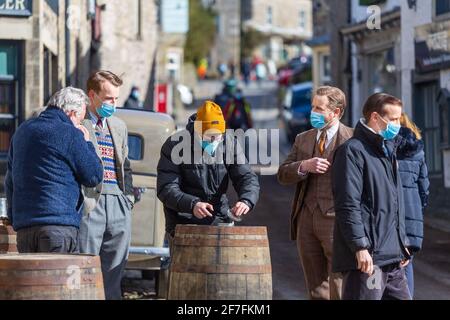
pixel 368 202
pixel 133 103
pixel 414 176
pixel 179 187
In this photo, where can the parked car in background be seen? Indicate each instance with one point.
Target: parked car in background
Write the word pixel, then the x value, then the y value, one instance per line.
pixel 149 252
pixel 295 71
pixel 296 109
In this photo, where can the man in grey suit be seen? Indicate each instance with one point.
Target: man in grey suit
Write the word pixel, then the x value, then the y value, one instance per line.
pixel 106 225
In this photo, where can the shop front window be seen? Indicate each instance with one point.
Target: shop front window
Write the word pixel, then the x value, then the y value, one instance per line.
pixel 50 74
pixel 442 7
pixel 7 114
pixel 426 116
pixel 8 93
pixel 325 67
pixel 382 72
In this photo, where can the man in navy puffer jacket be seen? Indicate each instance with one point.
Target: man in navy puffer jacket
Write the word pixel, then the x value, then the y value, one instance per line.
pixel 49 159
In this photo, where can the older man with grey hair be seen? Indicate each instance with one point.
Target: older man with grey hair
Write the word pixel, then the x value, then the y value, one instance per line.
pixel 49 159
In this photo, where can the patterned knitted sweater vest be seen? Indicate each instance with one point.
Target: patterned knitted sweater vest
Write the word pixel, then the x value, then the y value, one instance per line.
pixel 106 146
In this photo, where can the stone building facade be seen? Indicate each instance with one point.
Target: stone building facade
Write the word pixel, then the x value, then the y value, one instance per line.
pixel 285 23
pixel 127 43
pixel 328 62
pixel 39 53
pixel 49 44
pixel 226 48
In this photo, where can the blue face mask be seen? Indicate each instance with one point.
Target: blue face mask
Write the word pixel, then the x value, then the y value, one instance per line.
pixel 391 130
pixel 318 120
pixel 210 147
pixel 135 94
pixel 106 110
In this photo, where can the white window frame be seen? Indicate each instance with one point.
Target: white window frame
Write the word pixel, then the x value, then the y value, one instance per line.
pixel 269 15
pixel 323 77
pixel 440 17
pixel 302 19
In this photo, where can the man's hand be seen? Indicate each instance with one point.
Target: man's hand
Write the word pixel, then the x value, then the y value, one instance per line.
pixel 365 262
pixel 240 209
pixel 85 132
pixel 203 210
pixel 405 262
pixel 315 165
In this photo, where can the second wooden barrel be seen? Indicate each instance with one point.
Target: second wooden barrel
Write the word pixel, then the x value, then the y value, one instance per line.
pixel 8 240
pixel 50 277
pixel 220 263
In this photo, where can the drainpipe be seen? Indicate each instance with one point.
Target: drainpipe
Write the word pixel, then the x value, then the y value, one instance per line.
pixel 67 41
pixel 349 62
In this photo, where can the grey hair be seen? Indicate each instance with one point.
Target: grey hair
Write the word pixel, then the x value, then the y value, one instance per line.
pixel 69 99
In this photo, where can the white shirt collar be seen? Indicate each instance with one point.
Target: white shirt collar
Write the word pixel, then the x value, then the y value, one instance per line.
pixel 331 132
pixel 94 120
pixel 364 123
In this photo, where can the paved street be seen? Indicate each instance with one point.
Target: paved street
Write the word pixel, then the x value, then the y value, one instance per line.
pixel 273 211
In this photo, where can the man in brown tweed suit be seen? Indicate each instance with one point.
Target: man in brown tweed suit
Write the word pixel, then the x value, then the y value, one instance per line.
pixel 309 166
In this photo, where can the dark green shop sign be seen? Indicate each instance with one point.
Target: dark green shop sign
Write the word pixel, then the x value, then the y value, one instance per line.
pixel 21 8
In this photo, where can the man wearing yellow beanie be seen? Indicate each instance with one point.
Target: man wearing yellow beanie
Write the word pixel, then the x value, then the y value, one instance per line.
pixel 195 192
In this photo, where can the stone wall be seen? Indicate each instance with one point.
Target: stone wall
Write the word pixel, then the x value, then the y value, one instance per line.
pixel 126 48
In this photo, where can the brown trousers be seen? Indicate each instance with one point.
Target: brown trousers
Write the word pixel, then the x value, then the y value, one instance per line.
pixel 315 247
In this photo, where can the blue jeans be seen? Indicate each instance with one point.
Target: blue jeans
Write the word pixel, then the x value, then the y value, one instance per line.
pixel 409 270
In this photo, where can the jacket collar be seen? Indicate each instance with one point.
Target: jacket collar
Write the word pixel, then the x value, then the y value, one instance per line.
pixel 408 145
pixel 368 136
pixel 54 112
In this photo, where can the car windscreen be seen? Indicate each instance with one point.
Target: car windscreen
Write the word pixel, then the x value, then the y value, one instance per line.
pixel 301 98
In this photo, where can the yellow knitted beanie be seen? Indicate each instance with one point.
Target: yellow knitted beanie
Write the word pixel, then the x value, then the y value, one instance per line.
pixel 210 116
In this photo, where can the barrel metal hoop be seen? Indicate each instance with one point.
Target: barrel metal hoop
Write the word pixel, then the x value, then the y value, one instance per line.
pixel 20 262
pixel 192 229
pixel 220 243
pixel 8 238
pixel 221 269
pixel 16 281
pixel 8 248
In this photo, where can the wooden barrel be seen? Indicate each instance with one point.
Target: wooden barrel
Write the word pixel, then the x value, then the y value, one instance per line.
pixel 220 263
pixel 8 239
pixel 50 277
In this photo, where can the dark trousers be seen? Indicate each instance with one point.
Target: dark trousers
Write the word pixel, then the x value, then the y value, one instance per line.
pixel 387 283
pixel 48 239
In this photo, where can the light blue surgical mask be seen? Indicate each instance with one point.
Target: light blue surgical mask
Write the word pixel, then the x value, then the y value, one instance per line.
pixel 210 147
pixel 135 94
pixel 391 130
pixel 106 110
pixel 318 120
